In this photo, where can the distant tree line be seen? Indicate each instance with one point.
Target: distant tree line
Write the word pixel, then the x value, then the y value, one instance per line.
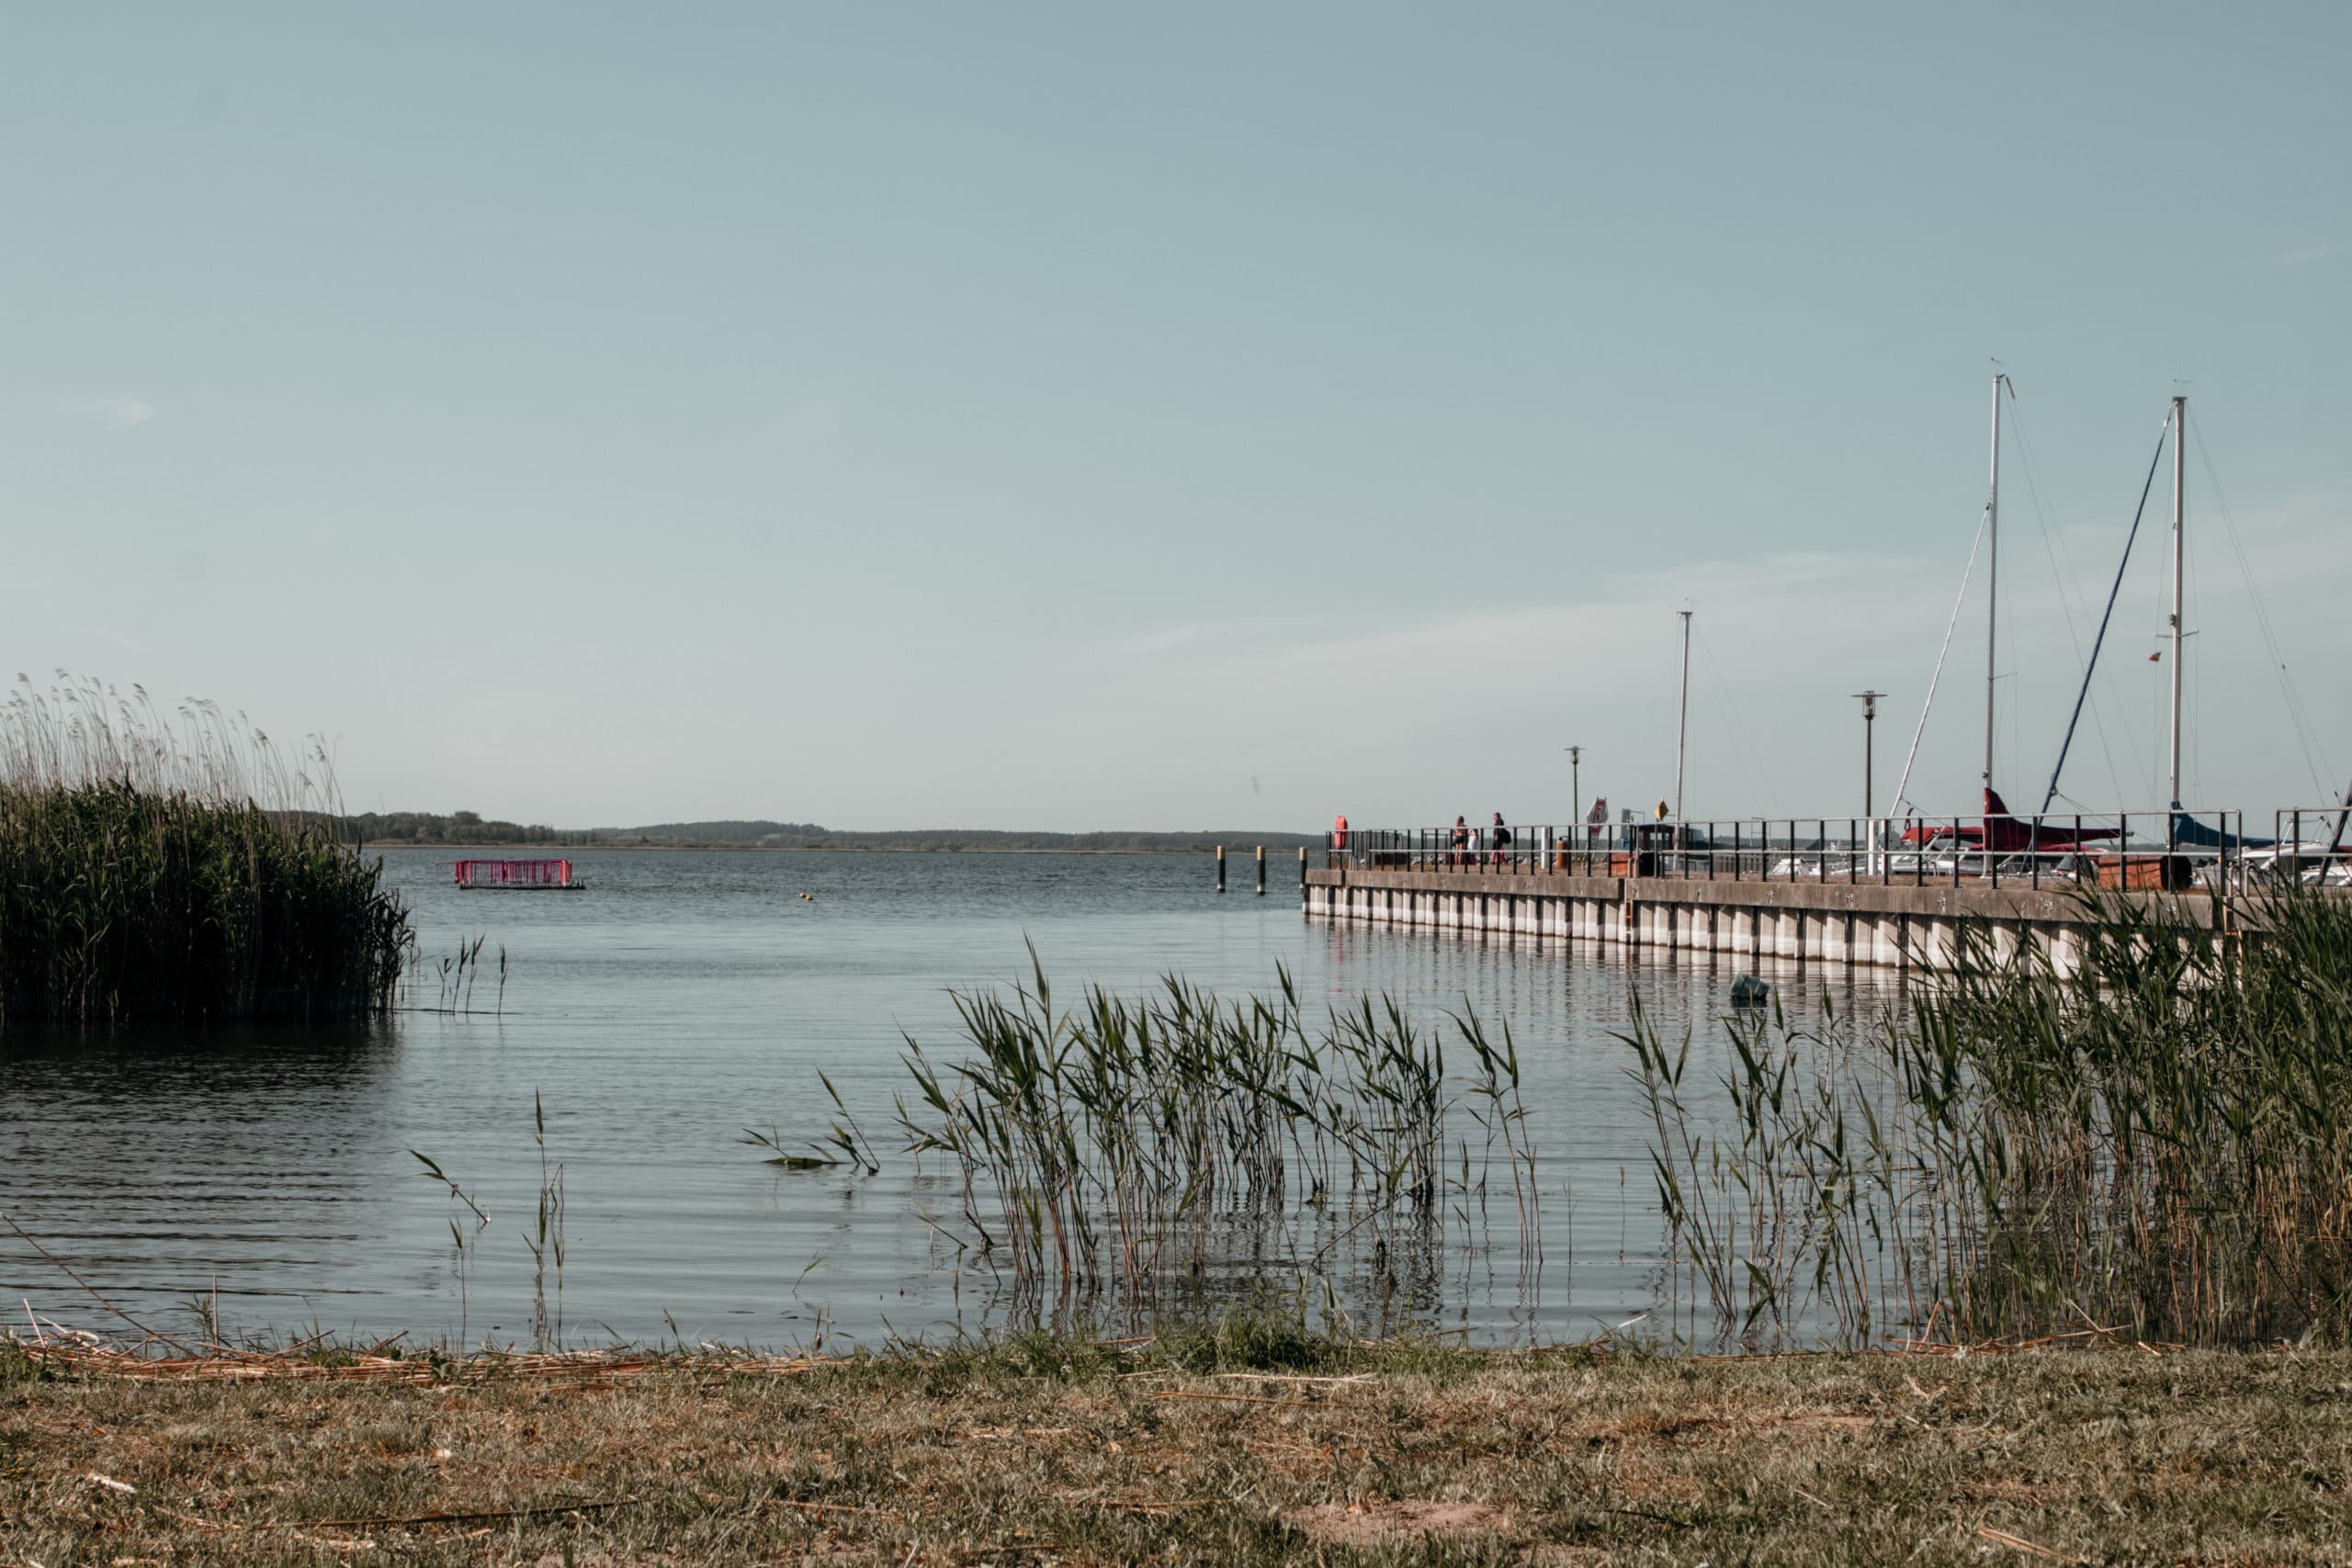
pixel 457 827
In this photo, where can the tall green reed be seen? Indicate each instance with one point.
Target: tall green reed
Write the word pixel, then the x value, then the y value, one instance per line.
pixel 1129 1145
pixel 157 867
pixel 546 1243
pixel 463 1239
pixel 2153 1142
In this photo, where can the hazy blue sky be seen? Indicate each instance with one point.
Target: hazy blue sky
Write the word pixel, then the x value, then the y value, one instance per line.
pixel 1083 415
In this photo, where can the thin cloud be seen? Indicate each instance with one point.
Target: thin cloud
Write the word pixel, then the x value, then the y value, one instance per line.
pixel 123 412
pixel 1164 639
pixel 2303 255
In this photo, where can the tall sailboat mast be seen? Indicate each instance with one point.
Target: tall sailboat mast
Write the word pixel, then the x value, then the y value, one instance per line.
pixel 2179 438
pixel 1682 723
pixel 1993 573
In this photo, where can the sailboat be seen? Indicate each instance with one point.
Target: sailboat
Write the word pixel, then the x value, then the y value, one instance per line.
pixel 1999 832
pixel 2182 830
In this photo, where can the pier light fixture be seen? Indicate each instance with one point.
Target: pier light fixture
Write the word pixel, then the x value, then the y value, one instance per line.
pixel 1576 785
pixel 1870 717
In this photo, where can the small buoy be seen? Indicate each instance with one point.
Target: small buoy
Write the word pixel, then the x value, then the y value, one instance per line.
pixel 1747 991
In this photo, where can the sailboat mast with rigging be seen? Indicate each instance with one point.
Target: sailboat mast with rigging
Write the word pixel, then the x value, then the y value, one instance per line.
pixel 2180 508
pixel 1993 575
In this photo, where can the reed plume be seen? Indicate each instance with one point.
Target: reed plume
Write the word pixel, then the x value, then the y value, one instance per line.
pixel 159 866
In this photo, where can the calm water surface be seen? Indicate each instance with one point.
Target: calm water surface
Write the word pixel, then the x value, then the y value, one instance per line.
pixel 685 996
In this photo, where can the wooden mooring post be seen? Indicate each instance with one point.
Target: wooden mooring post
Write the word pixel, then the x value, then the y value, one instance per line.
pixel 1220 868
pixel 1261 871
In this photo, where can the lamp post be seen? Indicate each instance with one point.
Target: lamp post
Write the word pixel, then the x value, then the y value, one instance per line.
pixel 1575 787
pixel 1869 717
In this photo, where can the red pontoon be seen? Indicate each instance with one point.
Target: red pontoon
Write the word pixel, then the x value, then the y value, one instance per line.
pixel 543 876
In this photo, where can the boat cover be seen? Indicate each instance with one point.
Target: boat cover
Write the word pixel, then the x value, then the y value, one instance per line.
pixel 2005 834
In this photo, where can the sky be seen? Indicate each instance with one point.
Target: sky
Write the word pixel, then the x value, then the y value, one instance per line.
pixel 1077 416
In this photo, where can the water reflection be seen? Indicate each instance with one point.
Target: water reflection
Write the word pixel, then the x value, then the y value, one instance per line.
pixel 686 996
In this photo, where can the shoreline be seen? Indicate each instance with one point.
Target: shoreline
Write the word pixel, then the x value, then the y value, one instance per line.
pixel 1230 845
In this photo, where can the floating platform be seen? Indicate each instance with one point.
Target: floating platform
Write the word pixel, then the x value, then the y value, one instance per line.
pixel 518 875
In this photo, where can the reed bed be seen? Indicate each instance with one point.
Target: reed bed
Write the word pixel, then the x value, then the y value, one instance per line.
pixel 2154 1147
pixel 1128 1146
pixel 159 866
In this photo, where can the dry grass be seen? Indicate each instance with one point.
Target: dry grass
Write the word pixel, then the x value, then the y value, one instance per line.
pixel 1047 1452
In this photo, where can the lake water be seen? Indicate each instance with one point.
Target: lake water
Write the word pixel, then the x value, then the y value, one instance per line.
pixel 685 996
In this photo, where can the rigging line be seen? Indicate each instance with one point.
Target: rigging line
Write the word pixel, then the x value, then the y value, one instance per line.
pixel 1760 779
pixel 2069 581
pixel 2306 734
pixel 2099 641
pixel 1752 761
pixel 1903 784
pixel 2015 676
pixel 2107 746
pixel 2069 578
pixel 2192 702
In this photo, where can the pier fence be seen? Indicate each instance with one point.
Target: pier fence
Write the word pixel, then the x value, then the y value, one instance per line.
pixel 1879 891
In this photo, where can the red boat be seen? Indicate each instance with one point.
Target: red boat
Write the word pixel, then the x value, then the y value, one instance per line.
pixel 2005 834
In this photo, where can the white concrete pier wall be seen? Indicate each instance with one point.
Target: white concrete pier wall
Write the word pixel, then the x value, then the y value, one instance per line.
pixel 1753 923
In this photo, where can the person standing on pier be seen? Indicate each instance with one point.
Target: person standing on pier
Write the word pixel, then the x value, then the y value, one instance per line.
pixel 1461 841
pixel 1500 836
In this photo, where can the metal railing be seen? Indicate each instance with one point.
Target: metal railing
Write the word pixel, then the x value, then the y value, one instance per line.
pixel 2309 845
pixel 2147 850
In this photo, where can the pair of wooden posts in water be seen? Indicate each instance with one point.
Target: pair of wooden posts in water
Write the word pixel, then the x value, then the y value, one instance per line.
pixel 1261 868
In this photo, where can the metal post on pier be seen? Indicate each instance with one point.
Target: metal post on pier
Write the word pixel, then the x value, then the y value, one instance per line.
pixel 1870 719
pixel 1261 871
pixel 1220 868
pixel 1302 868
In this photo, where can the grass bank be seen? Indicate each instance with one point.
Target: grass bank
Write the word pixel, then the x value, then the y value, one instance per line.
pixel 1202 1449
pixel 159 869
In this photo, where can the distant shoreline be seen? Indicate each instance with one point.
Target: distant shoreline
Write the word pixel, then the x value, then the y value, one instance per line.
pixel 822 849
pixel 471 830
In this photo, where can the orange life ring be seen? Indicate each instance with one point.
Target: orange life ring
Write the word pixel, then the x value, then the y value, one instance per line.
pixel 1339 831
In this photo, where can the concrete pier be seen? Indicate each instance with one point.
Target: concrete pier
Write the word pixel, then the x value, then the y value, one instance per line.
pixel 1806 922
